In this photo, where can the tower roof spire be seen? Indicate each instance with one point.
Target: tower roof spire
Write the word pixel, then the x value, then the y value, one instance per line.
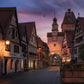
pixel 55 21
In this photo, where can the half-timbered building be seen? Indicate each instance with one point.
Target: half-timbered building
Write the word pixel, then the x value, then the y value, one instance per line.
pixel 10 49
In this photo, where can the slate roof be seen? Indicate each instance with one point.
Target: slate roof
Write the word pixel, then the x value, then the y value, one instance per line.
pixel 29 28
pixel 6 14
pixel 69 18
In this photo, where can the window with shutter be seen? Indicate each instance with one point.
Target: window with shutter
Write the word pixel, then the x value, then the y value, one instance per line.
pixel 16 49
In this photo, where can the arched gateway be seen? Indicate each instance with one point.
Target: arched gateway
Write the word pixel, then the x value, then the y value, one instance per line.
pixel 55 59
pixel 55 39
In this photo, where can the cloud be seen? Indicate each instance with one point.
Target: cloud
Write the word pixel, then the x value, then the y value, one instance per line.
pixel 43 11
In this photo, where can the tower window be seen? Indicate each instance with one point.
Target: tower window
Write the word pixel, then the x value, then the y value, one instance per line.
pixel 54 45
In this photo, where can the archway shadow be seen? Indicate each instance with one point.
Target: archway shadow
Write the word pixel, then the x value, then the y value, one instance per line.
pixel 55 59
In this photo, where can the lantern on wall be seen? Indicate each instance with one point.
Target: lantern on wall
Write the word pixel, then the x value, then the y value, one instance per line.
pixel 7 45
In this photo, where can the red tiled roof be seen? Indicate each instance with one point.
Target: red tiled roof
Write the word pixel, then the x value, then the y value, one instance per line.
pixel 81 22
pixel 5 18
pixel 69 18
pixel 49 34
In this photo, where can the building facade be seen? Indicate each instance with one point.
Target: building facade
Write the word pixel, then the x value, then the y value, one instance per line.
pixel 40 53
pixel 68 27
pixel 43 53
pixel 78 37
pixel 32 44
pixel 67 46
pixel 10 49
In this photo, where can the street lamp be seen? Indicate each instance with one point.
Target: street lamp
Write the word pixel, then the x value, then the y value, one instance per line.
pixel 7 46
pixel 7 42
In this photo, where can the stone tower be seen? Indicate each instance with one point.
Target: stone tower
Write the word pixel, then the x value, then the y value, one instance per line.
pixel 54 40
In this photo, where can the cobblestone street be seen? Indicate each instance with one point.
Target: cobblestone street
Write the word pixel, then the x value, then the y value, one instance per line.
pixel 50 75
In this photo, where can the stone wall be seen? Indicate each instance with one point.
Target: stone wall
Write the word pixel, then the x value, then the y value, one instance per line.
pixel 74 76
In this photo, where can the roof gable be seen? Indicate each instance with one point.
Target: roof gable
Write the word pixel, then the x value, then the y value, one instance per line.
pixel 69 18
pixel 29 29
pixel 5 18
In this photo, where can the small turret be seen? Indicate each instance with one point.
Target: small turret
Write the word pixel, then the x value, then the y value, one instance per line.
pixel 54 25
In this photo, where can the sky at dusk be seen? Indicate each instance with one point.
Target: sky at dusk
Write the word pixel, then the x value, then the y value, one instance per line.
pixel 43 12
